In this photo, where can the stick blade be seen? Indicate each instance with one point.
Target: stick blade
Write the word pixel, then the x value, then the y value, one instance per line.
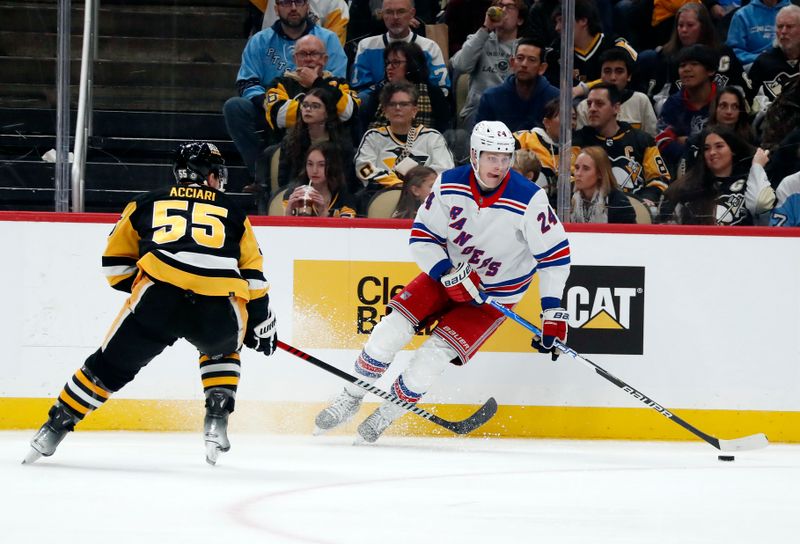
pixel 481 416
pixel 752 442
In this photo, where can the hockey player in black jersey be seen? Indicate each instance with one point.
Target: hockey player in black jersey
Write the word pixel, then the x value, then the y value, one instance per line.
pixel 190 260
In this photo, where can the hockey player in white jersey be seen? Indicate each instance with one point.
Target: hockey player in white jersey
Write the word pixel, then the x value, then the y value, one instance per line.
pixel 482 232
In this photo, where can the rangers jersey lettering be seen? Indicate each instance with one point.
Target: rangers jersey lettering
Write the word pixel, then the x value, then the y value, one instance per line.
pixel 505 235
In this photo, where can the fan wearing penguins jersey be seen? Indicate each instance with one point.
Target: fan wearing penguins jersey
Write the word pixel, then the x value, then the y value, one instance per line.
pixel 484 231
pixel 191 263
pixel 637 164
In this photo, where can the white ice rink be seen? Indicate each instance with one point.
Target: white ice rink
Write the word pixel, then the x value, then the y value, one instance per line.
pixel 125 487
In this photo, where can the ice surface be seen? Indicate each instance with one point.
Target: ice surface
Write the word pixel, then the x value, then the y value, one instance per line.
pixel 126 487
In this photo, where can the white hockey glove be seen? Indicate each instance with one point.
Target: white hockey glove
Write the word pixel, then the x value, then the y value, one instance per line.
pixel 463 284
pixel 555 325
pixel 264 336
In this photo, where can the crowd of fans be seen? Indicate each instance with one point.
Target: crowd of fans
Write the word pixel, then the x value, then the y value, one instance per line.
pixel 689 108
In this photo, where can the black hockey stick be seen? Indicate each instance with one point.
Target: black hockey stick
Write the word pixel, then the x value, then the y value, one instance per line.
pixel 465 426
pixel 752 442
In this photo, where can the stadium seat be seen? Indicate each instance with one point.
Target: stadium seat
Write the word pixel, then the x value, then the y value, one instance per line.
pixel 383 204
pixel 643 216
pixel 276 204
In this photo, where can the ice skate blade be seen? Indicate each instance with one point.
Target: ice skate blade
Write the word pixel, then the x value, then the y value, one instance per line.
pixel 32 457
pixel 319 431
pixel 212 453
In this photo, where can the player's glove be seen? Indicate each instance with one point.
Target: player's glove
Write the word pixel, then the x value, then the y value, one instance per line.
pixel 463 284
pixel 264 336
pixel 554 327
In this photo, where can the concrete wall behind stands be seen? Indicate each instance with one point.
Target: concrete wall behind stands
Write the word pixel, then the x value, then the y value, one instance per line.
pixel 704 322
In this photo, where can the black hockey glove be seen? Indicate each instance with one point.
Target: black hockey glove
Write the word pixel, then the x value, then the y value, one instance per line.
pixel 263 337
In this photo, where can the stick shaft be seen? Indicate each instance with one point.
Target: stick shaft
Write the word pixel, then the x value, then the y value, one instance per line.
pixel 751 442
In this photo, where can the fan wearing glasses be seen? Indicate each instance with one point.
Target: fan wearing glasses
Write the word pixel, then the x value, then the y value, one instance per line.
pixel 486 53
pixel 267 55
pixel 285 93
pixel 397 15
pixel 405 62
pixel 387 153
pixel 330 14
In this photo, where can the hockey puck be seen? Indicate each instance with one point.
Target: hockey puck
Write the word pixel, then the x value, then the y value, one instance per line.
pixel 725 457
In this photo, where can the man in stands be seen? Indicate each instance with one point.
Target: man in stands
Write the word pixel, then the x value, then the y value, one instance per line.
pixel 776 68
pixel 636 162
pixel 397 15
pixel 286 92
pixel 267 55
pixel 590 43
pixel 486 53
pixel 330 14
pixel 752 29
pixel 519 101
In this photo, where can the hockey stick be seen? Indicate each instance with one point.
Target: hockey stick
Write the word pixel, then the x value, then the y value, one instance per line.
pixel 751 442
pixel 465 426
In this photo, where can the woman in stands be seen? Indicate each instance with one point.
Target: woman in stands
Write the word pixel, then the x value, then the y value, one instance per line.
pixel 405 62
pixel 317 122
pixel 728 109
pixel 416 189
pixel 597 198
pixel 320 190
pixel 727 186
pixel 693 25
pixel 388 152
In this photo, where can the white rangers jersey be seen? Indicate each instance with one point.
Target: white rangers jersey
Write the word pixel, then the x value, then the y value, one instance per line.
pixel 506 236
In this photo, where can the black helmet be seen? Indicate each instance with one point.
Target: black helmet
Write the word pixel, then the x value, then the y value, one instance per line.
pixel 194 161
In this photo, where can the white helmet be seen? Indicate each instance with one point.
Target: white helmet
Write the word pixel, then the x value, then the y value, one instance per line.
pixel 490 136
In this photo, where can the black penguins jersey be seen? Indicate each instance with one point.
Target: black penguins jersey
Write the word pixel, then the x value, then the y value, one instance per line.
pixel 586 64
pixel 190 236
pixel 772 72
pixel 728 207
pixel 637 164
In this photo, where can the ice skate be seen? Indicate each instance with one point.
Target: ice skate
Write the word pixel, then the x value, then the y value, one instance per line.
pixel 377 422
pixel 343 408
pixel 49 436
pixel 215 424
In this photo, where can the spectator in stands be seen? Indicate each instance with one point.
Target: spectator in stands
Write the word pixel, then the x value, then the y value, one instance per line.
pixel 266 56
pixel 787 207
pixel 405 62
pixel 781 135
pixel 331 14
pixel 388 153
pixel 635 107
pixel 416 188
pixel 727 187
pixel 685 113
pixel 321 189
pixel 397 15
pixel 543 142
pixel 728 109
pixel 485 54
pixel 519 101
pixel 527 163
pixel 318 122
pixel 286 92
pixel 590 43
pixel 693 25
pixel 597 198
pixel 462 17
pixel 752 29
pixel 636 163
pixel 775 68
